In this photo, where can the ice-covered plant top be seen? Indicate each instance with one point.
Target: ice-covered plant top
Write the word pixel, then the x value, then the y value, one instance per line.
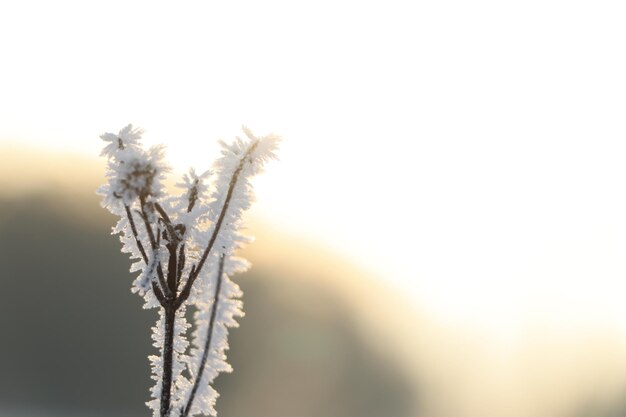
pixel 182 249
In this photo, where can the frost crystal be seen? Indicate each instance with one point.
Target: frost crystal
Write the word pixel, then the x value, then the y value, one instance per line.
pixel 183 246
pixel 127 138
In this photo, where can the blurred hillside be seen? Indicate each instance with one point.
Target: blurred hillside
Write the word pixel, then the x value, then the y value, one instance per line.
pixel 320 338
pixel 75 340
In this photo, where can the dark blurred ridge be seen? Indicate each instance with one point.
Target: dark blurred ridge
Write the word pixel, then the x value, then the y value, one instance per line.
pixel 75 340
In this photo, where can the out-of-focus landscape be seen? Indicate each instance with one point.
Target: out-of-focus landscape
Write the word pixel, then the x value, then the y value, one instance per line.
pixel 75 340
pixel 321 336
pixel 443 236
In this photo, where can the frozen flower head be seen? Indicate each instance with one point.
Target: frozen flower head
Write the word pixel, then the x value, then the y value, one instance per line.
pixel 134 174
pixel 127 138
pixel 255 150
pixel 195 187
pixel 139 175
pixel 265 148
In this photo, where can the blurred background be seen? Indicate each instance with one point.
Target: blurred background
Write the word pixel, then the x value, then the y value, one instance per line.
pixel 75 340
pixel 444 235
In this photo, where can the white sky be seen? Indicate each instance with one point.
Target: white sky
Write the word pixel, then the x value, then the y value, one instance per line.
pixel 472 153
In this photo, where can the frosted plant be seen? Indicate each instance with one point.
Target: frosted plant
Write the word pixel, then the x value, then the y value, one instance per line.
pixel 182 249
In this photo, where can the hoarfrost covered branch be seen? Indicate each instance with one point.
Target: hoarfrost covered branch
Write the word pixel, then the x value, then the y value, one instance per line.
pixel 182 247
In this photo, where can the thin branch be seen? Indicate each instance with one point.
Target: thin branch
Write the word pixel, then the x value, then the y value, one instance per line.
pixel 167 222
pixel 193 197
pixel 207 344
pixel 174 240
pixel 162 281
pixel 172 267
pixel 162 212
pixel 157 292
pixel 218 225
pixel 181 251
pixel 155 246
pixel 146 222
pixel 133 227
pixel 181 264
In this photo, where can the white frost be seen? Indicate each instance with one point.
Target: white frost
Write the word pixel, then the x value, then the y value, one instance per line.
pixel 168 239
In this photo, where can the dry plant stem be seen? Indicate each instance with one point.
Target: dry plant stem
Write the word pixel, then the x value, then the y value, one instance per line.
pixel 207 345
pixel 168 352
pixel 171 248
pixel 168 223
pixel 167 302
pixel 170 311
pixel 135 234
pixel 153 243
pixel 155 247
pixel 184 294
pixel 172 300
pixel 157 291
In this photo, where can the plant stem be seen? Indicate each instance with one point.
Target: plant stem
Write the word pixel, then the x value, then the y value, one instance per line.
pixel 155 287
pixel 184 294
pixel 174 301
pixel 135 234
pixel 207 343
pixel 155 247
pixel 168 353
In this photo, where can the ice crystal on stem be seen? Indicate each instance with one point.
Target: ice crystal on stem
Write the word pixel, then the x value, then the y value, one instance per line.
pixel 183 246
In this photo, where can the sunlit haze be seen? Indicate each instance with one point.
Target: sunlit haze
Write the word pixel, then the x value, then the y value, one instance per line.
pixel 469 153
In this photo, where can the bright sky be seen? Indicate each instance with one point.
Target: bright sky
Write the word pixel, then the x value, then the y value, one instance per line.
pixel 471 153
